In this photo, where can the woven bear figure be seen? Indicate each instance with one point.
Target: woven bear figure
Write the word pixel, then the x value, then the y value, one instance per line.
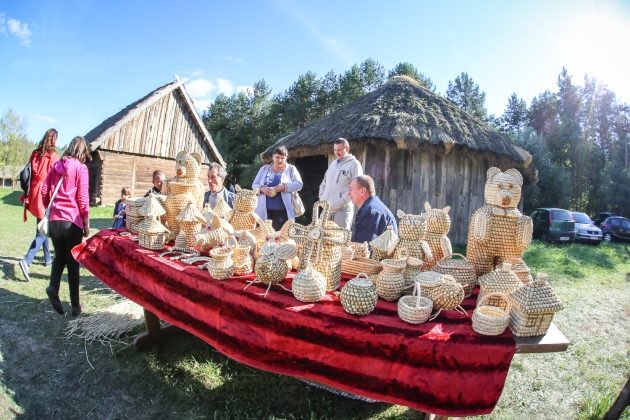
pixel 438 225
pixel 498 230
pixel 244 217
pixel 412 230
pixel 183 188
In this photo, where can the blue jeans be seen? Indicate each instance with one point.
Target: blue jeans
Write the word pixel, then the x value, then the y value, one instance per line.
pixel 40 241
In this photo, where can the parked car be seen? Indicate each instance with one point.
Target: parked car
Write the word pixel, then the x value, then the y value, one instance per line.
pixel 553 225
pixel 616 228
pixel 585 229
pixel 600 217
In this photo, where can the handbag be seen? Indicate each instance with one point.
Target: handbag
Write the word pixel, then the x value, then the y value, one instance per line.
pixel 42 226
pixel 298 205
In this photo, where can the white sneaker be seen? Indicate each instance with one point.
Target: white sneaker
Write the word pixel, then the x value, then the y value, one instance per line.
pixel 24 268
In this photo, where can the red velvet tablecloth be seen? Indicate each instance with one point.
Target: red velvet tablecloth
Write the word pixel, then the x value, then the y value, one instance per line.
pixel 441 367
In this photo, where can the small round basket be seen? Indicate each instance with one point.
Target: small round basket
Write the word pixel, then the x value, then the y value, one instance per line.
pixel 358 296
pixel 492 315
pixel 415 309
pixel 361 265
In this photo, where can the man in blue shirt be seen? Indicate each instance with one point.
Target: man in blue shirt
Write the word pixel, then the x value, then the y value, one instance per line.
pixel 372 217
pixel 216 177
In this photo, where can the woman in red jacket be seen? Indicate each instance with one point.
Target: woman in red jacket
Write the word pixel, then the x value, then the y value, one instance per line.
pixel 42 160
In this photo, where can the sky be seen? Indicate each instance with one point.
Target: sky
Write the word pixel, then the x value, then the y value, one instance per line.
pixel 71 64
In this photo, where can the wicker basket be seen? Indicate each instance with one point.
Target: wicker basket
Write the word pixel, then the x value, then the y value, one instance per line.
pixel 309 285
pixel 491 318
pixel 462 270
pixel 390 282
pixel 358 296
pixel 361 265
pixel 533 307
pixel 271 267
pixel 412 272
pixel 245 200
pixel 243 263
pixel 222 266
pixel 415 309
pixel 447 294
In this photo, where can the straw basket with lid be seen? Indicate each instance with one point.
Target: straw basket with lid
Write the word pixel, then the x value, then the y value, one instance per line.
pixel 190 221
pixel 151 233
pixel 358 296
pixel 384 245
pixel 412 271
pixel 133 217
pixel 415 309
pixel 272 267
pixel 390 282
pixel 533 308
pixel 412 230
pixel 443 290
pixel 438 225
pixel 323 243
pixel 309 285
pixel 501 280
pixel 461 269
pixel 491 319
pixel 243 217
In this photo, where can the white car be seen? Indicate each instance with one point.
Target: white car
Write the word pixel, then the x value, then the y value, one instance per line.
pixel 585 229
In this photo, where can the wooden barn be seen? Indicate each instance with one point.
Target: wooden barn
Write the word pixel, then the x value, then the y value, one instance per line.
pixel 416 145
pixel 143 137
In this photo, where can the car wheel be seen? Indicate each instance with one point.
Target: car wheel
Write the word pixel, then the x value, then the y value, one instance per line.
pixel 607 237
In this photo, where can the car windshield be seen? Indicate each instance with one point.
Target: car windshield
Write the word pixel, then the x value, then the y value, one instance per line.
pixel 560 215
pixel 581 218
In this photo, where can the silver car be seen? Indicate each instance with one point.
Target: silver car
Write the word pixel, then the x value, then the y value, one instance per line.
pixel 585 229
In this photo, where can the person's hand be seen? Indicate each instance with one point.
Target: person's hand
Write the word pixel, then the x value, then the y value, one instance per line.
pixel 280 188
pixel 86 231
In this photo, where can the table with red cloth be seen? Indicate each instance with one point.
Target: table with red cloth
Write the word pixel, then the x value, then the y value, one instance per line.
pixel 440 367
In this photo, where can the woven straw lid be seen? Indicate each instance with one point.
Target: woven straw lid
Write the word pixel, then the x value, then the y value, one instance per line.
pixel 152 226
pixel 502 279
pixel 222 209
pixel 191 214
pixel 536 297
pixel 386 242
pixel 152 207
pixel 430 278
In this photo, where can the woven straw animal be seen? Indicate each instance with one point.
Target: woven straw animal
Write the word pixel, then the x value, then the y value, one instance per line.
pixel 498 230
pixel 438 225
pixel 412 230
pixel 324 241
pixel 272 267
pixel 185 187
pixel 244 217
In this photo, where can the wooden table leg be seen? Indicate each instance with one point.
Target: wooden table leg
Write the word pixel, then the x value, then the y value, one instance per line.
pixel 154 334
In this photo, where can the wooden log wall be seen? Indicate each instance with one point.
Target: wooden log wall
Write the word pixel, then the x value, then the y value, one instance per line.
pixel 136 172
pixel 163 129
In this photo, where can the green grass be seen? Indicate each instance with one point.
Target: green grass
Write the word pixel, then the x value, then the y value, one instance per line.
pixel 43 374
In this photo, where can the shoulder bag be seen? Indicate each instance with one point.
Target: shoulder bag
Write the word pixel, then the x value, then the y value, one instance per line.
pixel 42 226
pixel 296 202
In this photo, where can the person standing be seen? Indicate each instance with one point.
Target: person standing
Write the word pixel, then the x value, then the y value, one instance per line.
pixel 42 159
pixel 158 183
pixel 120 209
pixel 334 187
pixel 275 184
pixel 372 216
pixel 69 219
pixel 216 178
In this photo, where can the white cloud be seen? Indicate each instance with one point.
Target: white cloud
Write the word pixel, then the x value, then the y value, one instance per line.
pixel 44 118
pixel 200 88
pixel 202 105
pixel 225 87
pixel 204 91
pixel 15 28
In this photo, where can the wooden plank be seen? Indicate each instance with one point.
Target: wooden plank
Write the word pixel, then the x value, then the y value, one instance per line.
pixel 553 341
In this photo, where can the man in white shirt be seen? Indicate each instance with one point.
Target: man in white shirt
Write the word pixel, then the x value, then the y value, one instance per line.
pixel 334 188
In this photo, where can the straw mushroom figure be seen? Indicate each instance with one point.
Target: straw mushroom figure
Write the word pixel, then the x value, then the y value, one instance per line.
pixel 412 229
pixel 438 225
pixel 151 233
pixel 190 221
pixel 498 230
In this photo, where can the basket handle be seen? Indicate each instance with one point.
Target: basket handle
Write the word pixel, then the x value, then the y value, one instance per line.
pixel 494 294
pixel 454 254
pixel 363 276
pixel 417 291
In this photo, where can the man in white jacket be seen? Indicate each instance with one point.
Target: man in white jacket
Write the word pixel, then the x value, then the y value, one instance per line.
pixel 334 188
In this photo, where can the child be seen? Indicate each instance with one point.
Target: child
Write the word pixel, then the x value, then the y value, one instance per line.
pixel 119 209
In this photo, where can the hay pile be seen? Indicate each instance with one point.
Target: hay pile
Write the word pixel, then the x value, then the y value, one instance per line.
pixel 107 324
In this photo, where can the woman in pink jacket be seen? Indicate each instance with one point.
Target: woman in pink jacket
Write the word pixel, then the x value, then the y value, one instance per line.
pixel 69 218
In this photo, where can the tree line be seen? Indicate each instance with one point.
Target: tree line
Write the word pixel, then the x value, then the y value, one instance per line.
pixel 15 148
pixel 577 135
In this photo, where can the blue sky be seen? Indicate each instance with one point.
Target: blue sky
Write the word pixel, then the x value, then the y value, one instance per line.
pixel 71 64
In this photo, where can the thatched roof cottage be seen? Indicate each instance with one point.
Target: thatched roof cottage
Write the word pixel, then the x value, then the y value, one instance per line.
pixel 416 145
pixel 145 136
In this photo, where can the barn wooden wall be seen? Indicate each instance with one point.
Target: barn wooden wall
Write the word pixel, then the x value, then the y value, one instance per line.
pixel 111 171
pixel 163 129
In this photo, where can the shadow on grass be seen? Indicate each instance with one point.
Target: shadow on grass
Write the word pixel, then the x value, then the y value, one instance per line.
pixel 12 199
pixel 46 375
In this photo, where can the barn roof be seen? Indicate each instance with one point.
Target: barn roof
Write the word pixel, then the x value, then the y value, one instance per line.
pixel 404 112
pixel 104 130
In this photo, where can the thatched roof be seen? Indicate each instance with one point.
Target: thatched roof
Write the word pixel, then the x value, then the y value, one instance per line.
pixel 102 132
pixel 403 112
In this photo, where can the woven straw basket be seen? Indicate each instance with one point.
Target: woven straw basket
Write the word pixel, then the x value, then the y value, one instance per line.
pixel 491 318
pixel 412 272
pixel 358 296
pixel 222 266
pixel 390 282
pixel 501 280
pixel 243 263
pixel 415 309
pixel 447 294
pixel 361 265
pixel 462 270
pixel 133 217
pixel 309 285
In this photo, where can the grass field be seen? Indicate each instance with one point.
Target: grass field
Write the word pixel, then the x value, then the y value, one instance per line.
pixel 43 374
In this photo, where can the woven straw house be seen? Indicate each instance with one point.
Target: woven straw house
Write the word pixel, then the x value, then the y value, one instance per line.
pixel 418 146
pixel 143 137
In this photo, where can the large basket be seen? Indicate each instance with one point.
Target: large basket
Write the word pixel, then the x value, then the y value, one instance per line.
pixel 415 309
pixel 492 315
pixel 309 285
pixel 358 296
pixel 222 266
pixel 361 265
pixel 462 270
pixel 390 282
